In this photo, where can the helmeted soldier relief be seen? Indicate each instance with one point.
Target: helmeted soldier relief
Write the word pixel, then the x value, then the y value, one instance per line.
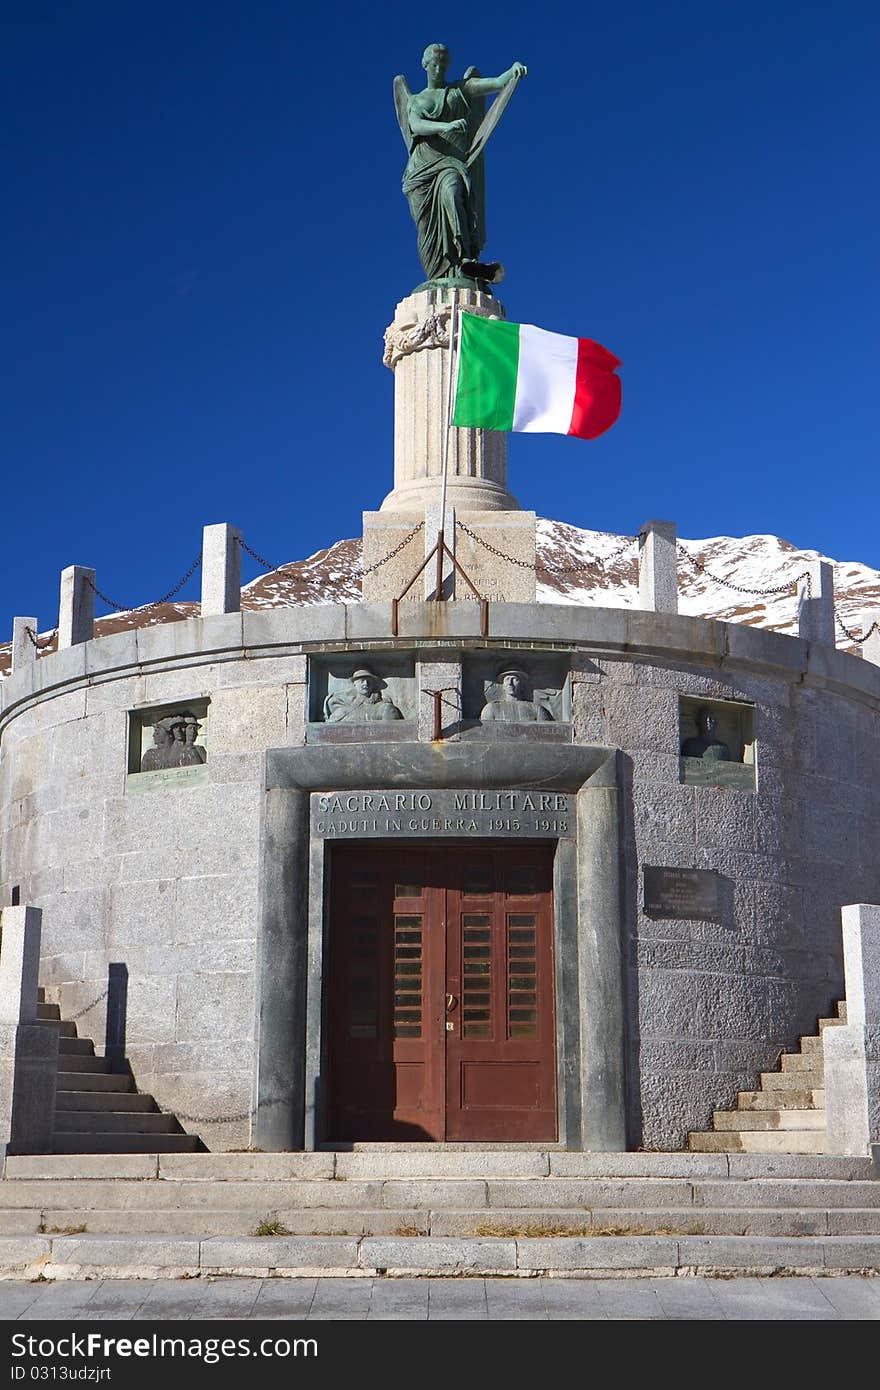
pixel 512 704
pixel 706 745
pixel 363 704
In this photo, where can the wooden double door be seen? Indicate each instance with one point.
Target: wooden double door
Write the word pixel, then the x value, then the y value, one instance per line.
pixel 440 1008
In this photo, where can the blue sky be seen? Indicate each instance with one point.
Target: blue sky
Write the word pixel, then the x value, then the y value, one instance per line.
pixel 205 239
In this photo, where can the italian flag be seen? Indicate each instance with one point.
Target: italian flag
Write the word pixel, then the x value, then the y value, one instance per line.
pixel 513 376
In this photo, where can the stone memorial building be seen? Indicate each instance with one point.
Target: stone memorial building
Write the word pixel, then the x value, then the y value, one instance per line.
pixel 447 870
pixel 444 864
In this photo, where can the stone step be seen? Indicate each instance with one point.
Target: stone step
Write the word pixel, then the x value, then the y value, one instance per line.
pixel 533 1222
pixel 70 1080
pixel 115 1143
pixel 811 1046
pixel 801 1141
pixel 65 1029
pixel 841 1010
pixel 799 1061
pixel 745 1221
pixel 109 1121
pixel 103 1100
pixel 783 1119
pixel 75 1047
pixel 799 1080
pixel 48 1011
pixel 781 1100
pixel 189 1170
pixel 81 1061
pixel 587 1195
pixel 85 1256
pixel 404 1146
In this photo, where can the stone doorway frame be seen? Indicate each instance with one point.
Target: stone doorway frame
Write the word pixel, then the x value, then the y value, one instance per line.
pixel 587 891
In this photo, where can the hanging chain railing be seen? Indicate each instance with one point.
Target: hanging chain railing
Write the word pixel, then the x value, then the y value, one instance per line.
pixel 854 636
pixel 259 558
pixel 401 545
pixel 128 607
pixel 45 644
pixel 577 567
pixel 768 592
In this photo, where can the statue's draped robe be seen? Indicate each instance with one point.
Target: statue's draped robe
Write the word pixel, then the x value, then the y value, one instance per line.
pixel 438 185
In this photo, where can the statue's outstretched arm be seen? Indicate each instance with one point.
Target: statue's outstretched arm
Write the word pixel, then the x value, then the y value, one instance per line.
pixel 484 86
pixel 421 125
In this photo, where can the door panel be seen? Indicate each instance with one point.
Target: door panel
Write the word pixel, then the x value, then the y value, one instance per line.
pixel 501 1052
pixel 441 999
pixel 386 965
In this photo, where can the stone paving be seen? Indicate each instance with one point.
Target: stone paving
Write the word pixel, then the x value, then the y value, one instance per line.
pixel 541 1300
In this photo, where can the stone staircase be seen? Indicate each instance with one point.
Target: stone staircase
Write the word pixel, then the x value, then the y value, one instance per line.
pixel 98 1110
pixel 426 1209
pixel 786 1115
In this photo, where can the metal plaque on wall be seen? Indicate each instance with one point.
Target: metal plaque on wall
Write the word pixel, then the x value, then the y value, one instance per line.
pixel 682 893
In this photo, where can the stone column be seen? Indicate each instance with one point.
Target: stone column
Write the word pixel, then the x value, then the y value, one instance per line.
pixel 76 608
pixel 816 604
pixel 658 567
pixel 28 1049
pixel 417 351
pixel 23 649
pixel 871 646
pixel 221 569
pixel 852 1050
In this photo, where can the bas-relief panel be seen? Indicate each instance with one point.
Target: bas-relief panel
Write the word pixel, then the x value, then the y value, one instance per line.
pixel 167 746
pixel 521 689
pixel 350 691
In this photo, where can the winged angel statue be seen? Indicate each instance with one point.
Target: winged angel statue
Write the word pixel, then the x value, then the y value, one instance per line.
pixel 445 129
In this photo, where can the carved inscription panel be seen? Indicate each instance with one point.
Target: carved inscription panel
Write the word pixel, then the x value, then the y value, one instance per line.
pixel 527 814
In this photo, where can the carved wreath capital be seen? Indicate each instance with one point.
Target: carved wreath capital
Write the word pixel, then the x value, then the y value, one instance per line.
pixel 414 333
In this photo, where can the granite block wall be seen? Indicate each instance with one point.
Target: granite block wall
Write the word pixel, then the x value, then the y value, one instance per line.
pixel 167 882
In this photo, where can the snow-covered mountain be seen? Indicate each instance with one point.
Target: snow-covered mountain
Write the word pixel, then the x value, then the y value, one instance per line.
pixel 595 568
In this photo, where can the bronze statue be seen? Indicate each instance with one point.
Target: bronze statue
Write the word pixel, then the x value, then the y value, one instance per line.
pixel 706 745
pixel 363 704
pixel 511 705
pixel 445 129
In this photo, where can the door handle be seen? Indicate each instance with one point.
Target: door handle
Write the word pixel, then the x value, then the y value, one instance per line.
pixel 451 1003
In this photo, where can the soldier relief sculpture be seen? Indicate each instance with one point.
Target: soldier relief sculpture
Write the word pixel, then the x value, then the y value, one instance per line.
pixel 364 703
pixel 445 128
pixel 707 745
pixel 511 703
pixel 174 744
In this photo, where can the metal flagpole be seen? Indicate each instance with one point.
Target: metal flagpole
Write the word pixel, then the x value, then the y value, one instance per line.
pixel 441 538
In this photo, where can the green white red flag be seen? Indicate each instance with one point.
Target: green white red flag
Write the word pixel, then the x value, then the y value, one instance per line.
pixel 513 376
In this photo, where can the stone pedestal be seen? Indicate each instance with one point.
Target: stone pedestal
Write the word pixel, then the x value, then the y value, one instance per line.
pixel 76 606
pixel 28 1049
pixel 221 570
pixel 852 1052
pixel 417 351
pixel 496 550
pixel 816 604
pixel 658 567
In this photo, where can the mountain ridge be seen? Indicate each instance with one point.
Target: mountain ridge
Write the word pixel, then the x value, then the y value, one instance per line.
pixel 748 579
